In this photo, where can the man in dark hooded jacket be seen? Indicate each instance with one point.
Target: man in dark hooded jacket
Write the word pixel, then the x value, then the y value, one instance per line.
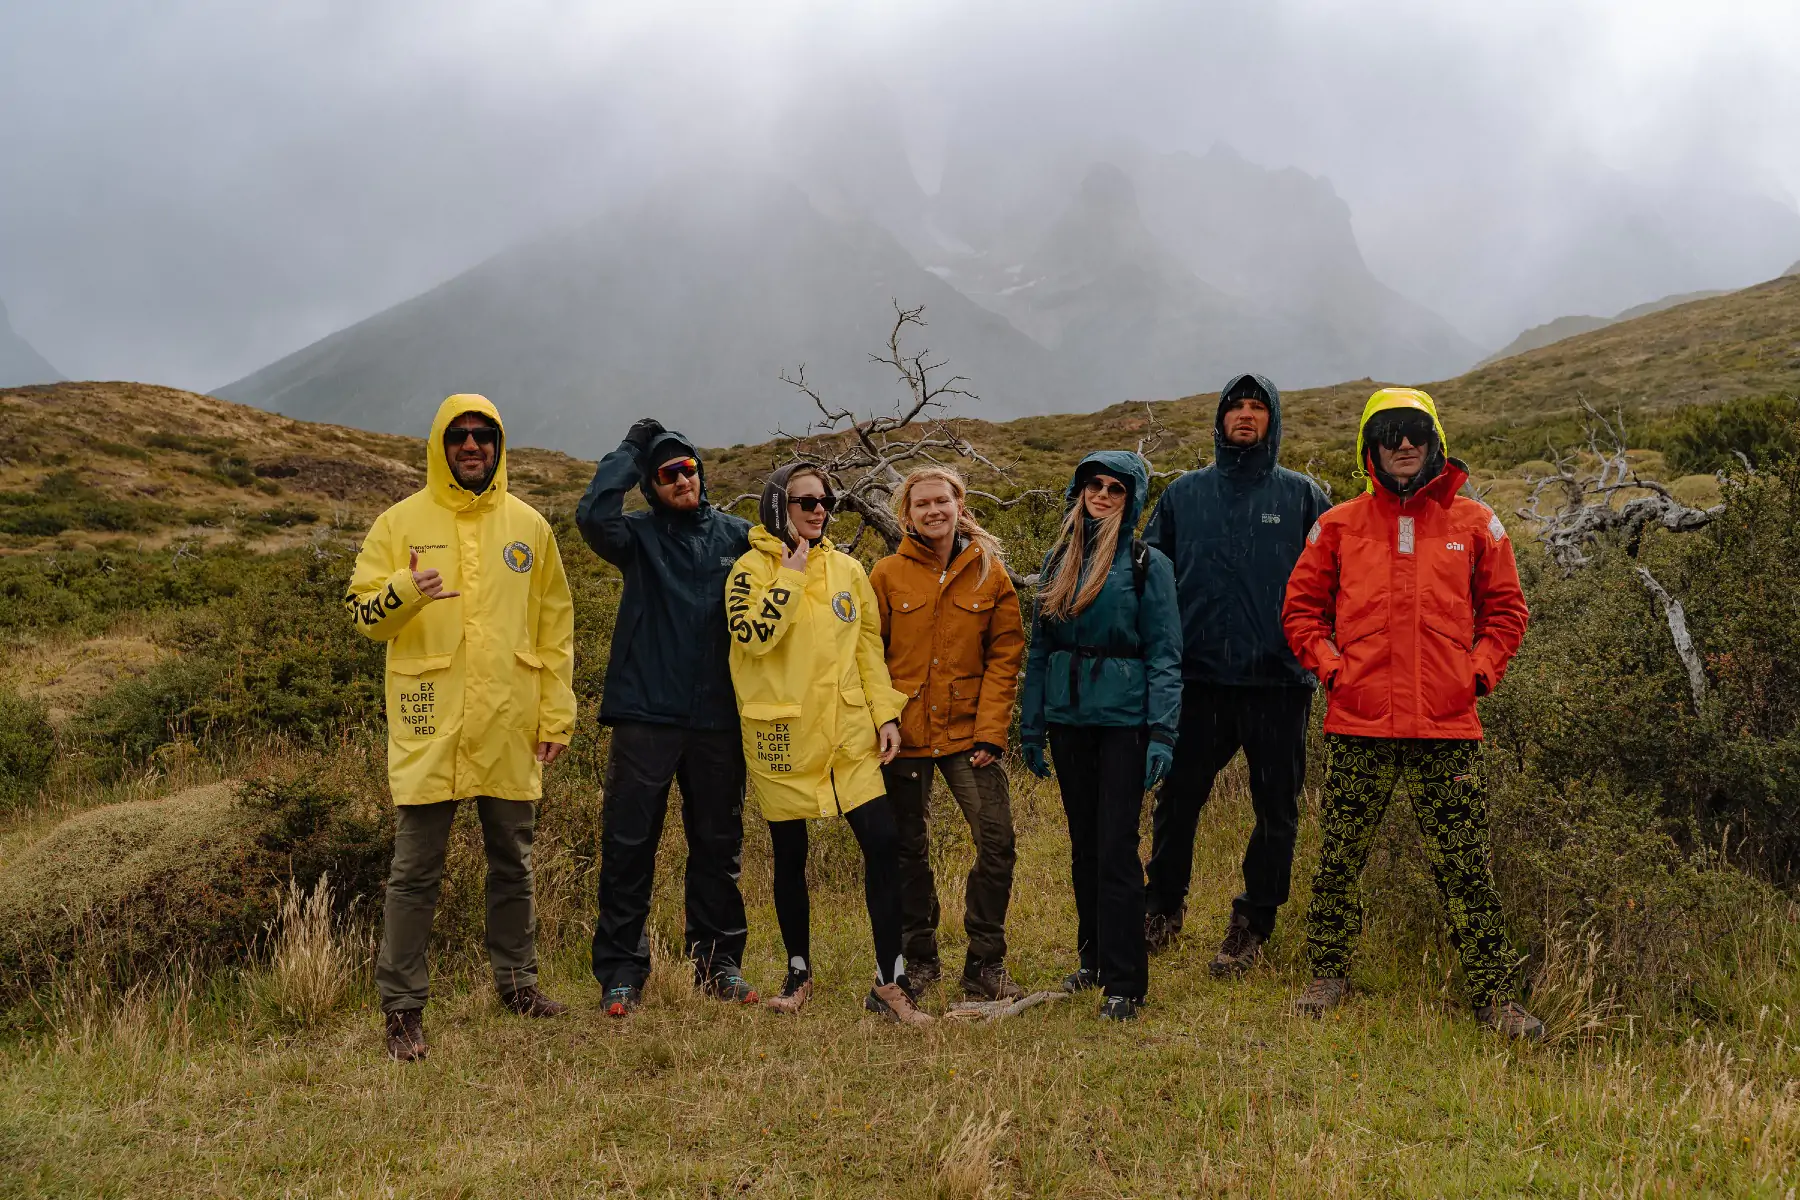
pixel 1234 530
pixel 672 710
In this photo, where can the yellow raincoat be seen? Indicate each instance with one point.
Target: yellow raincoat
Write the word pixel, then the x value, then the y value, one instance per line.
pixel 811 679
pixel 474 682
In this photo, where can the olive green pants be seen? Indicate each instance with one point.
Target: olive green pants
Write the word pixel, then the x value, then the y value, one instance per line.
pixel 417 876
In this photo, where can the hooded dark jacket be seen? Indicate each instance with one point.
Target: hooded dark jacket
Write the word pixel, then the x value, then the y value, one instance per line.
pixel 1234 531
pixel 1117 662
pixel 670 661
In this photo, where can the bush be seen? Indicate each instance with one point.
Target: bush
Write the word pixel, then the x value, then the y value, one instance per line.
pixel 27 747
pixel 1707 438
pixel 126 723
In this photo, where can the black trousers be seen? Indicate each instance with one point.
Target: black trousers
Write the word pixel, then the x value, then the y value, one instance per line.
pixel 1100 772
pixel 709 765
pixel 1269 725
pixel 878 837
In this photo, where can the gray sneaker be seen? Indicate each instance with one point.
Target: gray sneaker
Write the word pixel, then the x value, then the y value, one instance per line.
pixel 1509 1019
pixel 1322 995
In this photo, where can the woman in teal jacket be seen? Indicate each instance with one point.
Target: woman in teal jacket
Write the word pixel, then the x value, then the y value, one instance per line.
pixel 1103 689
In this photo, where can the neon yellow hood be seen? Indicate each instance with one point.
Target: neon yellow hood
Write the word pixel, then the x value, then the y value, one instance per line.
pixel 1381 401
pixel 440 480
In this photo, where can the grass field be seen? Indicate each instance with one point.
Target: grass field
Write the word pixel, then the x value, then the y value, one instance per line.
pixel 1216 1091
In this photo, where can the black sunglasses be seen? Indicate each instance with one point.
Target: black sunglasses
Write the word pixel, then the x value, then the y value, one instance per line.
pixel 1110 487
pixel 484 436
pixel 1414 427
pixel 810 503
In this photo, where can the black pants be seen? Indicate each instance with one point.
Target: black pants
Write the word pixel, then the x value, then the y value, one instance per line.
pixel 1100 772
pixel 1269 725
pixel 986 804
pixel 879 838
pixel 709 765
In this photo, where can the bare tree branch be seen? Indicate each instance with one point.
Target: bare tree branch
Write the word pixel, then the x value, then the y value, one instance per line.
pixel 1684 642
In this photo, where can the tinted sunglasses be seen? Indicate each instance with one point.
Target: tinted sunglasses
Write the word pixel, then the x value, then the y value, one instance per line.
pixel 484 436
pixel 1412 426
pixel 1111 488
pixel 680 468
pixel 811 503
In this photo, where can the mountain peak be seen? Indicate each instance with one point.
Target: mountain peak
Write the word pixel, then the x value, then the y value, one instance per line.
pixel 20 364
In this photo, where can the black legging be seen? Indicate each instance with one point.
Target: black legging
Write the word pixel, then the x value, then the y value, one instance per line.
pixel 879 837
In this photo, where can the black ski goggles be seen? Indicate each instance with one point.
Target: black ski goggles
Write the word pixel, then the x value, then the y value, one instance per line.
pixel 680 468
pixel 485 436
pixel 1395 426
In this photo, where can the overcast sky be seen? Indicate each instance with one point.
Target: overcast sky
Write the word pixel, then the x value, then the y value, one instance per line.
pixel 190 189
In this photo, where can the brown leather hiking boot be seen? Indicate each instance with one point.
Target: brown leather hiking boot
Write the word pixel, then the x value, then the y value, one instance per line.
pixel 989 981
pixel 924 972
pixel 1322 995
pixel 406 1035
pixel 1161 930
pixel 1509 1019
pixel 1239 951
pixel 529 1002
pixel 794 994
pixel 892 1002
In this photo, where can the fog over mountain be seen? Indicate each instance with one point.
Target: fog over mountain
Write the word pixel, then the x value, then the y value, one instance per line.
pixel 1095 202
pixel 19 363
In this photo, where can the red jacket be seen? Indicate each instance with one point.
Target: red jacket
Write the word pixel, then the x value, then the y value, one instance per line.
pixel 1406 610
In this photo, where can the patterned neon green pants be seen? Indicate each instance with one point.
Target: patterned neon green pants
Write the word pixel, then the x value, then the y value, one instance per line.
pixel 1442 778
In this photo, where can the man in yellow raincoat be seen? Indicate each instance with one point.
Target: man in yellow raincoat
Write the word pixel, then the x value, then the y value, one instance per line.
pixel 463 581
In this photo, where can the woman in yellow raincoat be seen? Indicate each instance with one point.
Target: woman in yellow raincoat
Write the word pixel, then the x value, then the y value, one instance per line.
pixel 819 718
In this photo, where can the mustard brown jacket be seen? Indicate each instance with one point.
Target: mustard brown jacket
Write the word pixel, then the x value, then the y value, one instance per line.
pixel 955 643
pixel 476 681
pixel 812 686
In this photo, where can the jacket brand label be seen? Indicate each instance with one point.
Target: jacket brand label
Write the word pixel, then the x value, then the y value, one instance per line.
pixel 423 549
pixel 726 560
pixel 844 607
pixel 1454 546
pixel 1312 535
pixel 1271 518
pixel 370 611
pixel 517 556
pixel 1406 535
pixel 737 610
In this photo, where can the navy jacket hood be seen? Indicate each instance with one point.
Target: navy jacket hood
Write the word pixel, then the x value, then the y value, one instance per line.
pixel 1248 462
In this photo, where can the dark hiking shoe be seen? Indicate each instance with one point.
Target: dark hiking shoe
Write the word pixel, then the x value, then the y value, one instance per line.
pixel 1322 995
pixel 622 1001
pixel 529 1002
pixel 1119 1008
pixel 794 993
pixel 1239 951
pixel 892 1002
pixel 730 987
pixel 1509 1019
pixel 406 1035
pixel 923 972
pixel 1161 930
pixel 989 981
pixel 1080 980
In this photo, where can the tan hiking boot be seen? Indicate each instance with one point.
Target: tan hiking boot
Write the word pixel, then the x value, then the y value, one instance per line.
pixel 1239 951
pixel 892 1002
pixel 1509 1019
pixel 1322 995
pixel 529 1002
pixel 794 994
pixel 406 1035
pixel 989 981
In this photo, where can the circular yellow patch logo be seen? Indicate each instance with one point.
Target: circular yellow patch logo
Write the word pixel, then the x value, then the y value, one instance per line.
pixel 517 556
pixel 844 607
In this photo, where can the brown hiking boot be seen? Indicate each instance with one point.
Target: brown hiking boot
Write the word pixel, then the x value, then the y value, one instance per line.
pixel 406 1035
pixel 1161 930
pixel 1509 1019
pixel 989 981
pixel 529 1002
pixel 794 994
pixel 1321 995
pixel 892 1002
pixel 1239 951
pixel 923 973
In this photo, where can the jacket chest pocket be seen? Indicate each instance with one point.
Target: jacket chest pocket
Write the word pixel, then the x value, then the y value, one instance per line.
pixel 424 696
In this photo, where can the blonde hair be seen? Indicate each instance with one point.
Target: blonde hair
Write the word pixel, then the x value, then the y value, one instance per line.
pixel 987 543
pixel 1064 593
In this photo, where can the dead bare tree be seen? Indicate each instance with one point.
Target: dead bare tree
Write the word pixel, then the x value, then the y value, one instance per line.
pixel 865 458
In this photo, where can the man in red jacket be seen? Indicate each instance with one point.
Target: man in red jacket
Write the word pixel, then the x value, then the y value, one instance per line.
pixel 1406 605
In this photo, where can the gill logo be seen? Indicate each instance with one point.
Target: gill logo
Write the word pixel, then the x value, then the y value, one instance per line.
pixel 844 607
pixel 517 556
pixel 1454 546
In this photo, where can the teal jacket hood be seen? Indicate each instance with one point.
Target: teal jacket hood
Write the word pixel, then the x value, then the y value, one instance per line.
pixel 1127 466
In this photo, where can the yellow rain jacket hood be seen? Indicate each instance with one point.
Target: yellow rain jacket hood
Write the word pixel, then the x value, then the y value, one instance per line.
pixel 1382 401
pixel 475 681
pixel 811 679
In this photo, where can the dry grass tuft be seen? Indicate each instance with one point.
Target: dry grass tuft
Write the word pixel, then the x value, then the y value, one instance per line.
pixel 968 1168
pixel 1566 993
pixel 312 967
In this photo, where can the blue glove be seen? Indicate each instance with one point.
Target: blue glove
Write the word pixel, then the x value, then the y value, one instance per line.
pixel 1034 760
pixel 1157 763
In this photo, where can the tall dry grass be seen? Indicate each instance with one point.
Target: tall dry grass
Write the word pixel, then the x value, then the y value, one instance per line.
pixel 313 964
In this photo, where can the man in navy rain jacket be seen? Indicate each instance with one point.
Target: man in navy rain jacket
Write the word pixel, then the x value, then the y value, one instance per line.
pixel 1234 531
pixel 672 710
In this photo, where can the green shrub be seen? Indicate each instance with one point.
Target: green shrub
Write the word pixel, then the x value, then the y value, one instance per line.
pixel 1709 437
pixel 126 723
pixel 315 821
pixel 27 747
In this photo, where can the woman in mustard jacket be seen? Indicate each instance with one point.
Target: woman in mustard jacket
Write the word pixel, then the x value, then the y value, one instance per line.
pixel 819 718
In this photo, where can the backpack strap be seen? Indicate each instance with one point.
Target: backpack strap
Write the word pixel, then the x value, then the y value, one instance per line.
pixel 1140 564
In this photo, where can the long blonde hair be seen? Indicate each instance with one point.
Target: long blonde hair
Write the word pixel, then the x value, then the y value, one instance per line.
pixel 1063 592
pixel 981 539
